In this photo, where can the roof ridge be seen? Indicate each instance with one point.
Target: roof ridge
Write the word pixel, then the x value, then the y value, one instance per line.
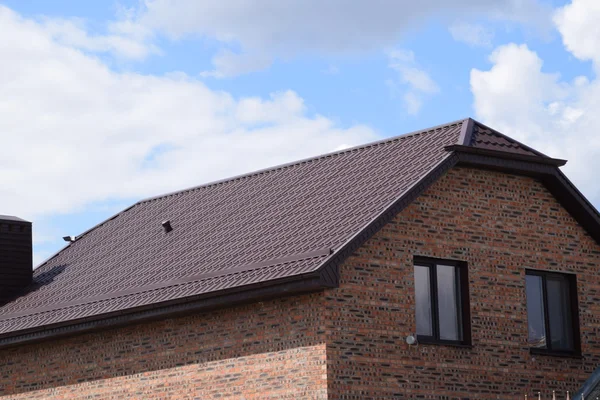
pixel 466 132
pixel 302 161
pixel 259 172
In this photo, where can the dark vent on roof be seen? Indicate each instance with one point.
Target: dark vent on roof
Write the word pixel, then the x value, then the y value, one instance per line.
pixel 167 226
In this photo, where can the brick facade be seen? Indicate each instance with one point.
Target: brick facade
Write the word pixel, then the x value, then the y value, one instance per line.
pixel 269 350
pixel 348 343
pixel 499 224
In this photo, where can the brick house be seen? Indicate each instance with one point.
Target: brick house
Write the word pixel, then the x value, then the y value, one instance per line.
pixel 309 280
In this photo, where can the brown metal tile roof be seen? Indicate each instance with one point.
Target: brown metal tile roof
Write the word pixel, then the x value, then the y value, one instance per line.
pixel 483 137
pixel 276 223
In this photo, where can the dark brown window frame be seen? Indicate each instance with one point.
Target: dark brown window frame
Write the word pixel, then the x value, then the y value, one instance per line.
pixel 463 306
pixel 574 308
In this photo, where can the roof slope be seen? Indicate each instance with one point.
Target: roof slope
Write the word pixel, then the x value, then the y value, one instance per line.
pixel 483 137
pixel 271 224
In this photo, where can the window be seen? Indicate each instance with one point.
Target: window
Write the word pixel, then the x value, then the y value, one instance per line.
pixel 442 301
pixel 552 312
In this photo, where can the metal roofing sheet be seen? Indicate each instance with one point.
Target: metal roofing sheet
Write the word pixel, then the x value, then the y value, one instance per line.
pixel 486 138
pixel 286 211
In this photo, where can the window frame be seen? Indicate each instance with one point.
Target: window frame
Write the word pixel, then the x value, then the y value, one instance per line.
pixel 571 280
pixel 463 306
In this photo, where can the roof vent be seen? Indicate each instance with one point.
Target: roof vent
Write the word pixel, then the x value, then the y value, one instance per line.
pixel 167 226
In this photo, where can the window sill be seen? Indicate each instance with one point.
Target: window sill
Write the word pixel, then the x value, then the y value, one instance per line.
pixel 551 353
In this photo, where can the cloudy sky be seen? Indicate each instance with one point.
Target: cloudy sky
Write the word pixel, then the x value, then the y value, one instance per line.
pixel 103 103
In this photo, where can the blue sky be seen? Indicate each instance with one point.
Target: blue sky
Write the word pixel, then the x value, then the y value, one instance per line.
pixel 107 102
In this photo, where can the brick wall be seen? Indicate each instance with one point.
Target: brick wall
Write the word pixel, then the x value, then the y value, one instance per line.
pixel 270 350
pixel 499 224
pixel 348 343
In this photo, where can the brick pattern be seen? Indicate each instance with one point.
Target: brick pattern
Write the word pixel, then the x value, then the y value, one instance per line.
pixel 348 343
pixel 270 350
pixel 499 224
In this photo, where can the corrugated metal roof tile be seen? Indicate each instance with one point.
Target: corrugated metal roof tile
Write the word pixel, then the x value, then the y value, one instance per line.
pixel 486 138
pixel 283 211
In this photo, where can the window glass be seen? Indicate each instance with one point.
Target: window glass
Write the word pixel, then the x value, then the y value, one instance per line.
pixel 448 303
pixel 552 311
pixel 559 313
pixel 535 311
pixel 423 301
pixel 441 301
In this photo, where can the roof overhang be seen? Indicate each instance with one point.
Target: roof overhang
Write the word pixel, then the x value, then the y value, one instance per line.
pixel 327 275
pixel 298 284
pixel 505 155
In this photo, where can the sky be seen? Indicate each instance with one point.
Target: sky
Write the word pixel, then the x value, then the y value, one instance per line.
pixel 104 103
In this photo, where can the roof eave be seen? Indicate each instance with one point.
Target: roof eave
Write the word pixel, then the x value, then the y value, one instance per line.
pixel 557 162
pixel 298 284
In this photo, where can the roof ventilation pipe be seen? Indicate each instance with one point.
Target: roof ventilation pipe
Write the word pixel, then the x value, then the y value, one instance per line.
pixel 167 226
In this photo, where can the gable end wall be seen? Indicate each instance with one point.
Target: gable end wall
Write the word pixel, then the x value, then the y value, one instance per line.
pixel 499 224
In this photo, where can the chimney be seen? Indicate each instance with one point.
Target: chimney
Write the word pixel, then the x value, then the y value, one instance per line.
pixel 15 255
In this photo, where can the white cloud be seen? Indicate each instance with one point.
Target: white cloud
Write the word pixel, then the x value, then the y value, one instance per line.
pixel 228 64
pixel 531 14
pixel 475 35
pixel 515 70
pixel 120 42
pixel 418 79
pixel 74 132
pixel 282 29
pixel 416 82
pixel 579 26
pixel 559 118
